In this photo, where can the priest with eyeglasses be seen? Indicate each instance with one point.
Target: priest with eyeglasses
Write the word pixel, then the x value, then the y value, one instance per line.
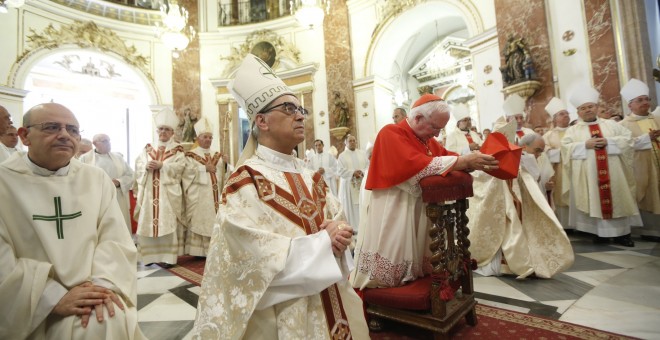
pixel 68 265
pixel 278 260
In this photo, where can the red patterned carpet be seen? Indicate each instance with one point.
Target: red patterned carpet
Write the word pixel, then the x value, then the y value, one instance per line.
pixel 494 323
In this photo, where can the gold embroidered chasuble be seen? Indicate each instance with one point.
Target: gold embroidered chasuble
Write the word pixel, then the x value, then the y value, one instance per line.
pixel 646 164
pixel 159 197
pixel 264 212
pixel 202 190
pixel 579 169
pixel 534 244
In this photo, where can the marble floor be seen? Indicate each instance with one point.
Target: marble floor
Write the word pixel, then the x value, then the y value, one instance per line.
pixel 609 287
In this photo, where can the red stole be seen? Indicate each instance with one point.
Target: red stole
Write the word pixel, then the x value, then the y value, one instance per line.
pixel 469 137
pixel 604 188
pixel 158 155
pixel 308 215
pixel 520 133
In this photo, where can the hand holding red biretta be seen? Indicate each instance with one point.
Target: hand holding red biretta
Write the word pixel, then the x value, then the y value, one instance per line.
pixel 506 153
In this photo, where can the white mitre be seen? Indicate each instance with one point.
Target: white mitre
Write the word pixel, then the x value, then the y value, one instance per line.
pixel 166 117
pixel 460 112
pixel 554 106
pixel 254 87
pixel 203 126
pixel 584 95
pixel 514 105
pixel 634 89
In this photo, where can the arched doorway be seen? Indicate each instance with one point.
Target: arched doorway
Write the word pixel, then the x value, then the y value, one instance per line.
pixel 404 41
pixel 106 95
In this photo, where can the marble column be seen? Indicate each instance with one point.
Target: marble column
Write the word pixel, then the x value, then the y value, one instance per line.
pixel 527 19
pixel 185 70
pixel 603 53
pixel 338 65
pixel 634 36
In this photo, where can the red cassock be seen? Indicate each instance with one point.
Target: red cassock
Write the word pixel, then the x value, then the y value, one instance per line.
pixel 398 155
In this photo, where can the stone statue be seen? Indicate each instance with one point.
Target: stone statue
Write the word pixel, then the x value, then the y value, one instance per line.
pixel 187 126
pixel 518 63
pixel 340 111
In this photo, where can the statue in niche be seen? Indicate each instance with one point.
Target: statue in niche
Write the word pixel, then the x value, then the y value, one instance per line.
pixel 187 126
pixel 518 63
pixel 340 110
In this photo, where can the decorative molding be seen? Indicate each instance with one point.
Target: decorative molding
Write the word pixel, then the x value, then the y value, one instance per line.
pixel 84 35
pixel 10 91
pixel 283 50
pixel 114 11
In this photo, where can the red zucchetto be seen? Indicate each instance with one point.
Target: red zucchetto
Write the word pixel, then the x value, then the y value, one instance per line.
pixel 425 99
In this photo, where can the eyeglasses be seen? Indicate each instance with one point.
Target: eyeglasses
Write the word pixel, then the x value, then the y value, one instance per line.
pixel 53 128
pixel 289 109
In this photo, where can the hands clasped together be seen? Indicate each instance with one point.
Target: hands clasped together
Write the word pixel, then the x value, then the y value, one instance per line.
pixel 84 298
pixel 595 143
pixel 340 233
pixel 154 165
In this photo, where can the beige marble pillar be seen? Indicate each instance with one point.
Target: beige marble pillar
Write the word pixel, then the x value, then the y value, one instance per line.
pixel 339 69
pixel 631 30
pixel 185 70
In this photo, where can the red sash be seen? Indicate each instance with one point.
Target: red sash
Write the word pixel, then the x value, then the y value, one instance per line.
pixel 604 188
pixel 520 133
pixel 469 138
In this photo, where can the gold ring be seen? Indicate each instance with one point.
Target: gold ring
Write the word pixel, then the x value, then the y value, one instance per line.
pixel 341 226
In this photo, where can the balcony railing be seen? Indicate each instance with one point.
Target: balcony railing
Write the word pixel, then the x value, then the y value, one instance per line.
pixel 232 12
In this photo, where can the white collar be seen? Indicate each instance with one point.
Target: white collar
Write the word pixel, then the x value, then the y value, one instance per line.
pixel 39 171
pixel 636 117
pixel 278 160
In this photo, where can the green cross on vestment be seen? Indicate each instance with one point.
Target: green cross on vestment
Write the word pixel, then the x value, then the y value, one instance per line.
pixel 58 217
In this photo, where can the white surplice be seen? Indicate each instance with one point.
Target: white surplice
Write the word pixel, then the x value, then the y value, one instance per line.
pixel 580 180
pixel 457 141
pixel 349 187
pixel 59 230
pixel 202 191
pixel 264 272
pixel 159 204
pixel 393 247
pixel 115 167
pixel 553 152
pixel 329 164
pixel 646 166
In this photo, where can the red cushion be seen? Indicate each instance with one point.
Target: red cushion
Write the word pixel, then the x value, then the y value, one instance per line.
pixel 455 185
pixel 415 295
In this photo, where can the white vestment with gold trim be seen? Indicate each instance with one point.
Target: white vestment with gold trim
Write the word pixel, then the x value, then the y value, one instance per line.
pixel 264 273
pixel 158 210
pixel 580 180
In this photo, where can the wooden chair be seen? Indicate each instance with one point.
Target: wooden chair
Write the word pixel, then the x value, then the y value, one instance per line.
pixel 435 302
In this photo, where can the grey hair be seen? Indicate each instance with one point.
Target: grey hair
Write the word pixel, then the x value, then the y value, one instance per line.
pixel 428 108
pixel 85 141
pixel 527 140
pixel 255 131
